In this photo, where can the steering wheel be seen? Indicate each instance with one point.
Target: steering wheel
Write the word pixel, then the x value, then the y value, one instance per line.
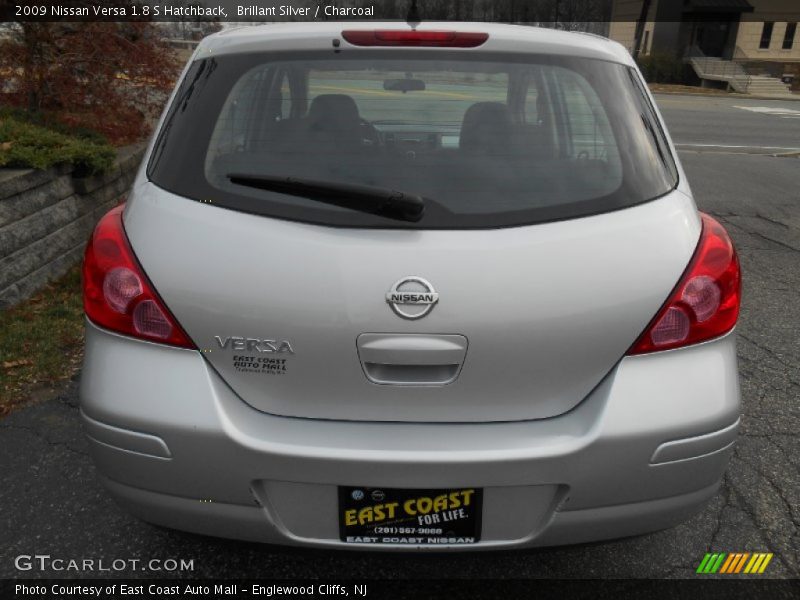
pixel 370 136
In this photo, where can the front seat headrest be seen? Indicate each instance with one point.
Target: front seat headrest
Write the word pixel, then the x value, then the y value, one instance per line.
pixel 336 114
pixel 486 128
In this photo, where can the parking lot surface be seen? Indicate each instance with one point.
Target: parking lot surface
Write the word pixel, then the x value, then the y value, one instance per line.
pixel 738 155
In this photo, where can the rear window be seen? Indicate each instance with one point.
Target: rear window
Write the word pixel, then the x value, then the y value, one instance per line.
pixel 486 142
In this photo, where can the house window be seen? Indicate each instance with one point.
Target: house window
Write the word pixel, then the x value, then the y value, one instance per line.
pixel 766 35
pixel 788 37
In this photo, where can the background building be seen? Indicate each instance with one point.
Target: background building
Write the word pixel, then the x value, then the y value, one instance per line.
pixel 748 45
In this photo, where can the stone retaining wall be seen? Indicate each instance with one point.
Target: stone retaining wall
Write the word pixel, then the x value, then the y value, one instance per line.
pixel 46 218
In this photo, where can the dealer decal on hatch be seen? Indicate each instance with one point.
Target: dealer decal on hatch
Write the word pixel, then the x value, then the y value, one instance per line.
pixel 260 364
pixel 255 361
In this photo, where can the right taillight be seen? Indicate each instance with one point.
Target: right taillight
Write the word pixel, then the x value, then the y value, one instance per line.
pixel 705 303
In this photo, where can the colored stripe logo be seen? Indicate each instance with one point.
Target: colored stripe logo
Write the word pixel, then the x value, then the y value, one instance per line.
pixel 733 563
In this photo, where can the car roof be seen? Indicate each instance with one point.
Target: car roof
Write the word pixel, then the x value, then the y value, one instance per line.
pixel 304 36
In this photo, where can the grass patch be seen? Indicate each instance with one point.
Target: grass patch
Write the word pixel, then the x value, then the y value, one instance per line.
pixel 41 341
pixel 27 145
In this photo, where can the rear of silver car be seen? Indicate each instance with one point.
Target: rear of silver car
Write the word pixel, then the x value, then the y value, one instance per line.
pixel 527 344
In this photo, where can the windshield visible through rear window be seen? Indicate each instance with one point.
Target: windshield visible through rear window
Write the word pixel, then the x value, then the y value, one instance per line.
pixel 484 142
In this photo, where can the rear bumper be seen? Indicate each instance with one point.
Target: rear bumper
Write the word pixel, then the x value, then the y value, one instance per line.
pixel 177 447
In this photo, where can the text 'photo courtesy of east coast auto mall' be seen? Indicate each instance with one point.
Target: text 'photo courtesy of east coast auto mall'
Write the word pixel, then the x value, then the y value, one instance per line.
pixel 400 299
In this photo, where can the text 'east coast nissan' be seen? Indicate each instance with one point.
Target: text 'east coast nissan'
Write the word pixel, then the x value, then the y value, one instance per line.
pixel 440 286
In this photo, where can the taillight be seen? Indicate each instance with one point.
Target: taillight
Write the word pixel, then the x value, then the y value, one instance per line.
pixel 705 303
pixel 411 37
pixel 117 294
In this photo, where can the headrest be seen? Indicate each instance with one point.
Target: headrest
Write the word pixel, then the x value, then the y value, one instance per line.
pixel 333 108
pixel 486 128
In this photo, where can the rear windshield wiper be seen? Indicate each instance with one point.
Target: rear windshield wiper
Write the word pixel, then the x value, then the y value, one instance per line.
pixel 379 201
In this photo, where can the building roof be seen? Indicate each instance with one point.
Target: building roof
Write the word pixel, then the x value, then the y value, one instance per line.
pixel 717 6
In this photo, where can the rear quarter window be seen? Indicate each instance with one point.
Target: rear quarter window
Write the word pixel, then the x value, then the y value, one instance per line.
pixel 487 142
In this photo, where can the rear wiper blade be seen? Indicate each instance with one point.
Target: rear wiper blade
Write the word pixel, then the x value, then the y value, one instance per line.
pixel 379 201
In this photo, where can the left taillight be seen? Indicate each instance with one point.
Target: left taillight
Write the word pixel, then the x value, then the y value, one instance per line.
pixel 117 294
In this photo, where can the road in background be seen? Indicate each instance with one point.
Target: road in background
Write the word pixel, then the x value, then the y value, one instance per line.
pixel 700 121
pixel 52 503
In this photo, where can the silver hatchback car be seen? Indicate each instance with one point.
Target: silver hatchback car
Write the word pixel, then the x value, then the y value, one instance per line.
pixel 434 287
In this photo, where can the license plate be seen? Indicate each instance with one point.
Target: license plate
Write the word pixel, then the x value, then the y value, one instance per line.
pixel 410 516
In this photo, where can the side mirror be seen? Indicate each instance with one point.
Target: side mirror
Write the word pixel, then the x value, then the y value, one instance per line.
pixel 404 85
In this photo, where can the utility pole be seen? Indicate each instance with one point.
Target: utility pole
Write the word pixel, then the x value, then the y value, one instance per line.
pixel 637 38
pixel 413 13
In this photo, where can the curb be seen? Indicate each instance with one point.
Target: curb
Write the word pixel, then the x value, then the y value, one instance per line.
pixel 792 98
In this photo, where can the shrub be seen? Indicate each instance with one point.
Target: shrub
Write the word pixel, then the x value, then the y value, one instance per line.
pixel 661 68
pixel 112 77
pixel 50 120
pixel 24 145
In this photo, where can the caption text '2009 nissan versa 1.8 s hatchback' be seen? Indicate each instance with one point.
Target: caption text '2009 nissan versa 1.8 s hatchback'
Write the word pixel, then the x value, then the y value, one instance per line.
pixel 387 286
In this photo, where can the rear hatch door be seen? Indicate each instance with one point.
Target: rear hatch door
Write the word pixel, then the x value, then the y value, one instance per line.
pixel 298 320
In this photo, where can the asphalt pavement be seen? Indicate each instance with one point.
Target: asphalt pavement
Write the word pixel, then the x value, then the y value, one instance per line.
pixel 741 170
